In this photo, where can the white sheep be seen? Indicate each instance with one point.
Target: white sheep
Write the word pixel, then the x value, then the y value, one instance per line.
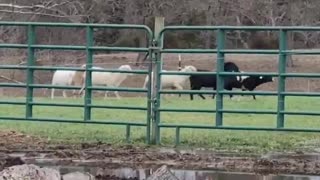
pixel 173 81
pixel 110 79
pixel 67 78
pixel 63 78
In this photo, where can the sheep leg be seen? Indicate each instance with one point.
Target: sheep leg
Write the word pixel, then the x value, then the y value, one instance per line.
pixel 80 91
pixel 64 94
pixel 106 95
pixel 52 93
pixel 117 95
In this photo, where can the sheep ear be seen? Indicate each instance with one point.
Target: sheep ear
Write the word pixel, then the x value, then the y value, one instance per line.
pixel 260 77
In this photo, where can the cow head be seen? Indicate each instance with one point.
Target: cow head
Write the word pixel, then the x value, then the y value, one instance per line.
pixel 265 79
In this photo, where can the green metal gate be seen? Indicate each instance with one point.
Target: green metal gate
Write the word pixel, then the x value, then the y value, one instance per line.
pixel 155 48
pixel 89 48
pixel 220 52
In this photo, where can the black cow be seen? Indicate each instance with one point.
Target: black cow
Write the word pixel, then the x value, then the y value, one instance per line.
pixel 253 81
pixel 198 81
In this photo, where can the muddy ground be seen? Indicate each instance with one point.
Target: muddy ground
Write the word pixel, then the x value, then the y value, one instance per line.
pixel 253 63
pixel 17 148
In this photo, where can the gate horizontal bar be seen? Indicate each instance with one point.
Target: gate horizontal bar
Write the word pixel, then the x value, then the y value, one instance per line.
pixel 46 24
pixel 75 47
pixel 70 69
pixel 237 128
pixel 303 113
pixel 70 121
pixel 186 92
pixel 186 110
pixel 22 85
pixel 308 94
pixel 92 106
pixel 13 103
pixel 302 75
pixel 248 28
pixel 221 73
pixel 244 111
pixel 204 51
pixel 16 46
pixel 124 89
pixel 57 104
pixel 262 93
pixel 119 107
pixel 127 49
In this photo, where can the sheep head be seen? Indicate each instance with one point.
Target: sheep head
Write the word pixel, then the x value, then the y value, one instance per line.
pixel 189 69
pixel 126 68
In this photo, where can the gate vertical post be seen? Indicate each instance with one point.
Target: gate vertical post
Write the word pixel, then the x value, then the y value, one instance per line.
pixel 282 79
pixel 88 80
pixel 220 81
pixel 30 71
pixel 156 79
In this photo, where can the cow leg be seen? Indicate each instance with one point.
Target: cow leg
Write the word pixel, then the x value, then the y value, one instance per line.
pixel 254 97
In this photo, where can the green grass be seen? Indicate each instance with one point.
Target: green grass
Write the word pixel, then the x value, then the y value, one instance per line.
pixel 243 141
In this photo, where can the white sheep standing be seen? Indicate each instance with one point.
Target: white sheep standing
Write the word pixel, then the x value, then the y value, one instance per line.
pixel 67 78
pixel 173 81
pixel 110 79
pixel 63 78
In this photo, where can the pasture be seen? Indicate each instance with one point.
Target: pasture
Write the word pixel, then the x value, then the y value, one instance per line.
pixel 241 141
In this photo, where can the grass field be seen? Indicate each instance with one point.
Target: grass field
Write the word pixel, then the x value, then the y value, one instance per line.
pixel 243 141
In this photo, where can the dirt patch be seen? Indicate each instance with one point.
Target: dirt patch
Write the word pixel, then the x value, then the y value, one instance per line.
pixel 18 148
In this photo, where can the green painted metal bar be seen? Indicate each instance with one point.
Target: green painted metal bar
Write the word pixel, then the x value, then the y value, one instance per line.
pixel 220 81
pixel 13 103
pixel 222 73
pixel 191 126
pixel 302 113
pixel 127 49
pixel 128 133
pixel 229 51
pixel 187 92
pixel 57 120
pixel 234 111
pixel 302 75
pixel 57 104
pixel 309 94
pixel 177 136
pixel 261 93
pixel 118 89
pixel 45 68
pixel 119 107
pixel 244 28
pixel 281 79
pixel 186 110
pixel 14 46
pixel 30 62
pixel 14 85
pixel 81 106
pixel 244 111
pixel 204 51
pixel 88 80
pixel 250 51
pixel 149 95
pixel 93 48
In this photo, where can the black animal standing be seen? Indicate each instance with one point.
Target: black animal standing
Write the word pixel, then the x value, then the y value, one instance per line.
pixel 251 82
pixel 198 81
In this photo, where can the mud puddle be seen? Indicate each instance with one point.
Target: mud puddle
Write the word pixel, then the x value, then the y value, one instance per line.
pixel 141 174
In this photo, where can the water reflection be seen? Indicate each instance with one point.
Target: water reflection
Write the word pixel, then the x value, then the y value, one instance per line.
pixel 141 174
